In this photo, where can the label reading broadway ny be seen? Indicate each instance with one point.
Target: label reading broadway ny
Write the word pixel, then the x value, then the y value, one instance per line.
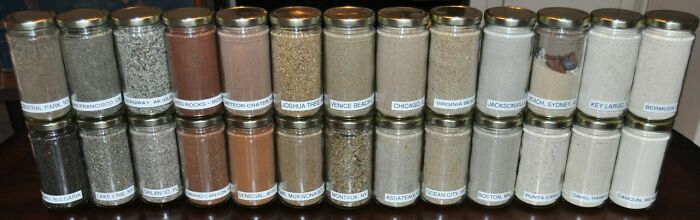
pixel 206 196
pixel 254 196
pixel 352 105
pixel 303 196
pixel 551 104
pixel 148 102
pixel 160 193
pixel 445 194
pixel 303 105
pixel 247 105
pixel 408 106
pixel 351 197
pixel 97 105
pixel 408 197
pixel 62 199
pixel 114 196
pixel 46 107
pixel 198 104
pixel 453 104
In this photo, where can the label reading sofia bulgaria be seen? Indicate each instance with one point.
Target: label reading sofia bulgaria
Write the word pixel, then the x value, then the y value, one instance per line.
pixel 454 104
pixel 588 198
pixel 637 200
pixel 660 108
pixel 445 194
pixel 408 197
pixel 114 196
pixel 551 104
pixel 148 102
pixel 46 107
pixel 254 196
pixel 506 106
pixel 494 197
pixel 304 196
pixel 549 197
pixel 198 104
pixel 352 197
pixel 352 105
pixel 408 106
pixel 206 196
pixel 97 105
pixel 160 193
pixel 62 199
pixel 607 106
pixel 302 106
pixel 247 105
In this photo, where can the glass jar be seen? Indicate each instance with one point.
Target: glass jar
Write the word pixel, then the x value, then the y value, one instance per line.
pixel 244 44
pixel 402 61
pixel 108 158
pixel 494 159
pixel 143 62
pixel 666 45
pixel 193 61
pixel 611 56
pixel 349 161
pixel 446 160
pixel 300 160
pixel 91 66
pixel 38 64
pixel 556 68
pixel 506 56
pixel 296 60
pixel 591 160
pixel 59 161
pixel 542 160
pixel 156 158
pixel 348 43
pixel 455 38
pixel 397 162
pixel 251 153
pixel 638 166
pixel 203 160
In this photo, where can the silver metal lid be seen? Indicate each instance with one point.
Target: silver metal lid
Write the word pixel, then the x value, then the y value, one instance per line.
pixel 545 122
pixel 136 16
pixel 448 121
pixel 560 17
pixel 102 123
pixel 249 122
pixel 152 120
pixel 188 17
pixel 241 16
pixel 30 20
pixel 636 122
pixel 299 123
pixel 199 122
pixel 488 121
pixel 295 16
pixel 402 17
pixel 617 18
pixel 349 17
pixel 509 16
pixel 455 15
pixel 349 123
pixel 59 123
pixel 591 122
pixel 82 18
pixel 399 123
pixel 671 20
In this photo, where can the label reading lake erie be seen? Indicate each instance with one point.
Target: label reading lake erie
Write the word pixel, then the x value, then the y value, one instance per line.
pixel 607 106
pixel 506 106
pixel 445 194
pixel 253 196
pixel 205 196
pixel 114 196
pixel 198 104
pixel 160 193
pixel 551 104
pixel 62 199
pixel 637 200
pixel 303 196
pixel 352 105
pixel 494 197
pixel 408 197
pixel 352 197
pixel 408 106
pixel 46 107
pixel 549 197
pixel 588 197
pixel 453 104
pixel 247 105
pixel 660 108
pixel 148 102
pixel 97 105
pixel 302 106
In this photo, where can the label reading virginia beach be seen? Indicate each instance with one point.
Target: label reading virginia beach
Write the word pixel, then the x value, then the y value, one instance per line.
pixel 588 197
pixel 453 104
pixel 206 196
pixel 637 200
pixel 247 105
pixel 114 196
pixel 198 104
pixel 551 104
pixel 408 106
pixel 494 197
pixel 352 105
pixel 660 108
pixel 549 197
pixel 408 197
pixel 506 106
pixel 46 107
pixel 160 193
pixel 351 197
pixel 607 106
pixel 148 102
pixel 303 105
pixel 97 105
pixel 62 199
pixel 253 196
pixel 445 194
pixel 304 196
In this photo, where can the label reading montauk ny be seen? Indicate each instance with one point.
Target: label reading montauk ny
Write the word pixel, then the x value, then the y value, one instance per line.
pixel 453 104
pixel 352 105
pixel 588 197
pixel 607 106
pixel 304 196
pixel 206 196
pixel 551 104
pixel 253 196
pixel 97 105
pixel 114 196
pixel 46 107
pixel 660 108
pixel 148 102
pixel 637 200
pixel 408 197
pixel 408 106
pixel 160 193
pixel 549 197
pixel 506 106
pixel 445 194
pixel 303 105
pixel 247 105
pixel 198 104
pixel 352 197
pixel 494 197
pixel 62 199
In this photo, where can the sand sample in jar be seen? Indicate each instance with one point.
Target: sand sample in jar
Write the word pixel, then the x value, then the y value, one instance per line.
pixel 348 161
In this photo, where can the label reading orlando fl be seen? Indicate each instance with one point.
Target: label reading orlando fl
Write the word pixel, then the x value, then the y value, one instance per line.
pixel 607 106
pixel 549 197
pixel 46 107
pixel 206 196
pixel 198 104
pixel 254 196
pixel 494 197
pixel 97 105
pixel 453 104
pixel 352 105
pixel 408 197
pixel 148 102
pixel 303 196
pixel 408 106
pixel 114 196
pixel 62 199
pixel 160 193
pixel 445 194
pixel 660 108
pixel 350 197
pixel 506 106
pixel 303 105
pixel 637 200
pixel 588 197
pixel 551 104
pixel 247 105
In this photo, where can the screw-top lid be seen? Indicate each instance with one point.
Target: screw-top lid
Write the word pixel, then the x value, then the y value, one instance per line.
pixel 402 17
pixel 545 122
pixel 510 16
pixel 188 17
pixel 299 123
pixel 199 122
pixel 101 123
pixel 82 18
pixel 637 122
pixel 241 16
pixel 488 121
pixel 136 16
pixel 448 121
pixel 59 123
pixel 349 17
pixel 30 20
pixel 399 123
pixel 560 17
pixel 455 15
pixel 249 122
pixel 617 18
pixel 349 123
pixel 295 16
pixel 671 20
pixel 151 120
pixel 591 122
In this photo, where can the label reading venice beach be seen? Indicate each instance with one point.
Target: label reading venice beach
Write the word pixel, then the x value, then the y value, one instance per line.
pixel 660 108
pixel 637 200
pixel 46 107
pixel 160 193
pixel 408 106
pixel 506 106
pixel 453 104
pixel 303 196
pixel 551 104
pixel 550 197
pixel 352 197
pixel 247 105
pixel 588 198
pixel 206 196
pixel 253 196
pixel 302 106
pixel 352 105
pixel 408 197
pixel 97 105
pixel 607 106
pixel 198 104
pixel 62 199
pixel 148 102
pixel 445 194
pixel 494 197
pixel 114 196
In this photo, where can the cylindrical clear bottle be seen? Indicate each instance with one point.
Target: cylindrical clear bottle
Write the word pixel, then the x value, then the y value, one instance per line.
pixel 143 62
pixel 348 43
pixel 193 62
pixel 611 56
pixel 666 45
pixel 90 62
pixel 543 154
pixel 398 152
pixel 506 56
pixel 38 64
pixel 591 160
pixel 300 160
pixel 494 159
pixel 402 61
pixel 348 161
pixel 455 39
pixel 638 166
pixel 296 61
pixel 244 44
pixel 558 58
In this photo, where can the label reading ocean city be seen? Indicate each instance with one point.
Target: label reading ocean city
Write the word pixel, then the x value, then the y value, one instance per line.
pixel 551 104
pixel 453 104
pixel 254 196
pixel 588 198
pixel 114 196
pixel 408 197
pixel 148 102
pixel 247 105
pixel 46 107
pixel 160 193
pixel 198 104
pixel 549 197
pixel 302 106
pixel 352 105
pixel 636 200
pixel 62 199
pixel 303 196
pixel 607 106
pixel 206 196
pixel 494 197
pixel 445 194
pixel 506 106
pixel 660 108
pixel 352 197
pixel 97 105
pixel 408 106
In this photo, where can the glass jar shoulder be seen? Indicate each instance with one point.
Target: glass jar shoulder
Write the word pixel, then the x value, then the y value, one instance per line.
pixel 152 129
pixel 668 34
pixel 86 33
pixel 53 134
pixel 33 35
pixel 298 32
pixel 100 132
pixel 294 132
pixel 638 133
pixel 451 131
pixel 264 130
pixel 403 32
pixel 509 32
pixel 559 132
pixel 595 133
pixel 214 129
pixel 515 132
pixel 455 30
pixel 389 132
pixel 551 32
pixel 243 32
pixel 139 31
pixel 340 32
pixel 190 32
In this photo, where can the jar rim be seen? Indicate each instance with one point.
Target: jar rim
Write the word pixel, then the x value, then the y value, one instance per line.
pixel 136 16
pixel 548 122
pixel 488 121
pixel 451 121
pixel 399 123
pixel 30 20
pixel 350 123
pixel 349 17
pixel 640 123
pixel 188 17
pixel 671 20
pixel 510 16
pixel 455 15
pixel 591 122
pixel 82 18
pixel 249 122
pixel 295 16
pixel 241 16
pixel 300 122
pixel 199 122
pixel 617 18
pixel 56 124
pixel 562 17
pixel 402 17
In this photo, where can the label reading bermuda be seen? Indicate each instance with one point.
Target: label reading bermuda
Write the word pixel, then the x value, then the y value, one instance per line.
pixel 549 197
pixel 445 194
pixel 46 107
pixel 351 197
pixel 160 193
pixel 206 196
pixel 198 104
pixel 637 200
pixel 453 104
pixel 303 196
pixel 551 104
pixel 588 197
pixel 494 197
pixel 303 105
pixel 506 106
pixel 607 106
pixel 408 106
pixel 62 199
pixel 660 108
pixel 408 197
pixel 97 105
pixel 253 196
pixel 352 105
pixel 247 105
pixel 114 196
pixel 148 102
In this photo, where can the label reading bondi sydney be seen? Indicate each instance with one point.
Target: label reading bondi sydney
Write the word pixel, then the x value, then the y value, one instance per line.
pixel 607 106
pixel 453 104
pixel 254 196
pixel 548 197
pixel 62 199
pixel 303 105
pixel 551 104
pixel 660 108
pixel 46 107
pixel 506 106
pixel 352 105
pixel 205 196
pixel 247 105
pixel 160 193
pixel 114 196
pixel 303 196
pixel 350 197
pixel 408 197
pixel 408 106
pixel 97 105
pixel 148 102
pixel 198 104
pixel 445 194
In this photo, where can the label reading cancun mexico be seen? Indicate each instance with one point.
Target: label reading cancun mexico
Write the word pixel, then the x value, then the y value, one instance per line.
pixel 408 106
pixel 352 105
pixel 303 105
pixel 659 108
pixel 206 196
pixel 350 197
pixel 494 197
pixel 588 197
pixel 253 196
pixel 303 196
pixel 46 107
pixel 408 197
pixel 198 104
pixel 636 200
pixel 160 193
pixel 114 196
pixel 247 105
pixel 445 194
pixel 506 106
pixel 148 102
pixel 607 106
pixel 97 105
pixel 453 104
pixel 551 104
pixel 62 199
pixel 549 197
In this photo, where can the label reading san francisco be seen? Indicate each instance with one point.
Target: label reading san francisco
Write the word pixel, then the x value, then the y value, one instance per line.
pixel 97 105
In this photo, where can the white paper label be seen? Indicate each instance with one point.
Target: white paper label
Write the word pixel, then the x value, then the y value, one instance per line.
pixel 550 197
pixel 637 200
pixel 588 197
pixel 247 105
pixel 148 102
pixel 114 196
pixel 160 193
pixel 506 106
pixel 660 108
pixel 352 105
pixel 46 107
pixel 302 106
pixel 304 196
pixel 97 105
pixel 408 106
pixel 206 196
pixel 62 199
pixel 494 197
pixel 198 104
pixel 445 194
pixel 253 196
pixel 408 197
pixel 551 104
pixel 607 106
pixel 453 104
pixel 351 197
